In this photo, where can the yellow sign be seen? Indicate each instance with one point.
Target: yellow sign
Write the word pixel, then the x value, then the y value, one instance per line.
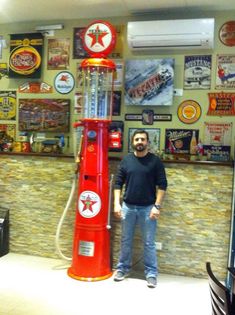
pixel 189 112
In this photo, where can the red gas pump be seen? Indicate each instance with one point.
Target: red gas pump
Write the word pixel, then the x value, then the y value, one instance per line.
pixel 91 247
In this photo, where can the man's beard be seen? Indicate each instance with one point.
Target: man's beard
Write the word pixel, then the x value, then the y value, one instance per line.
pixel 139 147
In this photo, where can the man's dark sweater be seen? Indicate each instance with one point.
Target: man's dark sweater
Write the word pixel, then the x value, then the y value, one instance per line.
pixel 141 175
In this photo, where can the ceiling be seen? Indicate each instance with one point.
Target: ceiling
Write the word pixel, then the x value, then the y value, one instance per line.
pixel 12 11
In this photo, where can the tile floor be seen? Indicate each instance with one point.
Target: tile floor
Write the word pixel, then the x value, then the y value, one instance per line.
pixel 40 286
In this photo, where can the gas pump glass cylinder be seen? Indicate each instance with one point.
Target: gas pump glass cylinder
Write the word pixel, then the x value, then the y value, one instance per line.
pixel 97 89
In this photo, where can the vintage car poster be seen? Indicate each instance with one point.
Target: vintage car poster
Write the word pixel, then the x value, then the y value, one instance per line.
pixel 149 82
pixel 7 105
pixel 217 140
pixel 25 59
pixel 58 54
pixel 225 74
pixel 197 72
pixel 44 115
pixel 183 141
pixel 221 104
pixel 154 139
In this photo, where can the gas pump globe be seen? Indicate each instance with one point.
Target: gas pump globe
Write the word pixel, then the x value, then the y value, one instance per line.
pixel 97 78
pixel 91 247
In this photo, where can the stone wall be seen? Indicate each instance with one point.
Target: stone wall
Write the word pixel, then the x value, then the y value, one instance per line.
pixel 194 226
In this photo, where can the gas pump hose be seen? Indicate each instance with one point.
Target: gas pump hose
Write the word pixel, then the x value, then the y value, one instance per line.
pixel 57 237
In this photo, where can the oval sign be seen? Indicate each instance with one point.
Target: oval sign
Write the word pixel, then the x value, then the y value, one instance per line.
pixel 24 60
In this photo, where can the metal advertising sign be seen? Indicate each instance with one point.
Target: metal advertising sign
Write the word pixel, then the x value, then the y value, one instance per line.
pixel 227 33
pixel 25 55
pixel 197 72
pixel 225 76
pixel 189 112
pixel 221 104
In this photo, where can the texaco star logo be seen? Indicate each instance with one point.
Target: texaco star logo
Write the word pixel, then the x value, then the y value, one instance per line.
pixel 99 37
pixel 89 204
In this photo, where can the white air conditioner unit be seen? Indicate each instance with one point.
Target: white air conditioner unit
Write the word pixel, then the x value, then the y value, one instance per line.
pixel 171 34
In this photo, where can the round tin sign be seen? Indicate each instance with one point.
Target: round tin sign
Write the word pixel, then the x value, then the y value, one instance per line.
pixel 64 82
pixel 99 39
pixel 189 112
pixel 89 204
pixel 227 33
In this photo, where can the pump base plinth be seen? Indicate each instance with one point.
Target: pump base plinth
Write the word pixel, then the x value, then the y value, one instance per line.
pixel 88 279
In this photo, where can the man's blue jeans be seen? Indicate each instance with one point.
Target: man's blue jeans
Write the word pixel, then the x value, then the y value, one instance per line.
pixel 133 215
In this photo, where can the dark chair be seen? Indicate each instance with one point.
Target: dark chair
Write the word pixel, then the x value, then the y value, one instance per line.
pixel 221 298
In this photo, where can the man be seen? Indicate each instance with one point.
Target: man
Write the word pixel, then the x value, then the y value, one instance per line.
pixel 141 172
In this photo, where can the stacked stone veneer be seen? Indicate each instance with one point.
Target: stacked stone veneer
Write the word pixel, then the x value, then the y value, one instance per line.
pixel 194 226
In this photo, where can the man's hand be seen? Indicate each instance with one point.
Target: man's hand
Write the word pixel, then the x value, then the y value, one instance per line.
pixel 154 214
pixel 117 211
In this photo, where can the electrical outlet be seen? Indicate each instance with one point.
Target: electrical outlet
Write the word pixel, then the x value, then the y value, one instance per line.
pixel 158 245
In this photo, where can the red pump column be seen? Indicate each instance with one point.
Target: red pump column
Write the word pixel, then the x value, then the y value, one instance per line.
pixel 91 247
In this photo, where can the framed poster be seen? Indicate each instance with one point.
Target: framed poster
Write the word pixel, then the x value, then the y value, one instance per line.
pixel 117 98
pixel 58 54
pixel 78 50
pixel 118 75
pixel 218 133
pixel 154 139
pixel 225 74
pixel 181 141
pixel 25 59
pixel 197 72
pixel 9 130
pixel 147 117
pixel 7 137
pixel 116 130
pixel 217 140
pixel 7 105
pixel 149 82
pixel 44 115
pixel 78 103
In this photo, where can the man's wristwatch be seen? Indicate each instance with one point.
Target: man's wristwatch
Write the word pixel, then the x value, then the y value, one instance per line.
pixel 158 207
